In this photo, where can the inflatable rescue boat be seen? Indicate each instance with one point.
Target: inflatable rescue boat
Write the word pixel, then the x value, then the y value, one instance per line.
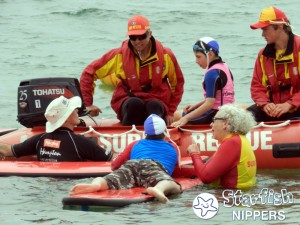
pixel 276 144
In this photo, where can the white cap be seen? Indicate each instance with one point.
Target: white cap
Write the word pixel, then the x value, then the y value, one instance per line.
pixel 154 125
pixel 59 110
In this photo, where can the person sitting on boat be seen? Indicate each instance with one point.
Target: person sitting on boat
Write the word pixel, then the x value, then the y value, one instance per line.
pixel 218 85
pixel 145 163
pixel 150 78
pixel 59 143
pixel 234 163
pixel 275 86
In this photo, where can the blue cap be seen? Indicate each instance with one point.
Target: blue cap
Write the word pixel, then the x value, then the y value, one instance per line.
pixel 210 44
pixel 154 125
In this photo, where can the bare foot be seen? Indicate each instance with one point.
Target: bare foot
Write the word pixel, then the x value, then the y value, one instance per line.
pixel 155 192
pixel 84 188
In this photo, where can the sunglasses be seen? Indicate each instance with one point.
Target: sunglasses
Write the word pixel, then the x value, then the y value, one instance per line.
pixel 217 118
pixel 139 37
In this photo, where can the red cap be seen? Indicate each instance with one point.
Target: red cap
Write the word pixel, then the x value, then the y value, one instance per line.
pixel 138 25
pixel 270 16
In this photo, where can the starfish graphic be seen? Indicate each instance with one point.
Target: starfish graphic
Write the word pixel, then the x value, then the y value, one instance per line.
pixel 205 206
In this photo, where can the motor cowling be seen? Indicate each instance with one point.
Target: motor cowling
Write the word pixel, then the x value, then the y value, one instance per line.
pixel 34 96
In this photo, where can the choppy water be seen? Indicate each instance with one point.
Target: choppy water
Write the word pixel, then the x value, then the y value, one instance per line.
pixel 44 38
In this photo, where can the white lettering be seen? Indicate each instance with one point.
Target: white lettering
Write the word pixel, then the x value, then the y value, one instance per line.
pixel 266 139
pixel 54 91
pixel 265 196
pixel 262 215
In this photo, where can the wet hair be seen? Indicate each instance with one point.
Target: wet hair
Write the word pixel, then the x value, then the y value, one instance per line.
pixel 240 120
pixel 155 137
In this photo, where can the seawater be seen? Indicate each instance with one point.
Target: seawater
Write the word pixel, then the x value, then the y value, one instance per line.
pixel 54 38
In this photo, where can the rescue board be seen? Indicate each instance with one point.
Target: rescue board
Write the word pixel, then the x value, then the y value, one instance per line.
pixel 118 198
pixel 54 169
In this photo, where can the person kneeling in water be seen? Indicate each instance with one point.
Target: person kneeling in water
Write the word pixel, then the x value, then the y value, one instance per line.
pixel 145 163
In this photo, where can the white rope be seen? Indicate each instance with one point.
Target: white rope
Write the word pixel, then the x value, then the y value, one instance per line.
pixel 91 130
pixel 262 124
pixel 194 131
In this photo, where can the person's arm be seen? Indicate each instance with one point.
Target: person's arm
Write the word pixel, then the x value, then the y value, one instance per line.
pixel 219 164
pixel 122 157
pixel 90 150
pixel 176 80
pixel 205 107
pixel 99 68
pixel 259 92
pixel 5 150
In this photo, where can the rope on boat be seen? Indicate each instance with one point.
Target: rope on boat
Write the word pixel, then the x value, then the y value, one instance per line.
pixel 262 124
pixel 133 129
pixel 194 131
pixel 92 130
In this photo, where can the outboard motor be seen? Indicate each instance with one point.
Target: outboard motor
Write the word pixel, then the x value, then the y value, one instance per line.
pixel 34 96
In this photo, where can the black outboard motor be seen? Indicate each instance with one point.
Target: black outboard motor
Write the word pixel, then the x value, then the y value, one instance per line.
pixel 35 95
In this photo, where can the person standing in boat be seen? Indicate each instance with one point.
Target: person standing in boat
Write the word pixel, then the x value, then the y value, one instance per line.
pixel 275 86
pixel 234 163
pixel 218 85
pixel 151 80
pixel 59 143
pixel 145 163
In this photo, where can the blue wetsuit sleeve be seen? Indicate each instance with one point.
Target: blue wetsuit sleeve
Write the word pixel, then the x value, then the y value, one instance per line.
pixel 211 83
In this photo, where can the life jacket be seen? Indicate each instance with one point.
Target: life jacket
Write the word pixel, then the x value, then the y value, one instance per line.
pixel 133 74
pixel 282 87
pixel 226 94
pixel 144 79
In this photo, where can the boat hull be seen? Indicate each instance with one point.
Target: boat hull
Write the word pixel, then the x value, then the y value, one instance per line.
pixel 114 137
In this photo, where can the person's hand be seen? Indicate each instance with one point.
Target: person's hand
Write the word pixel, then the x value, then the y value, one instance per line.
pixel 193 148
pixel 169 120
pixel 281 109
pixel 277 110
pixel 188 108
pixel 180 122
pixel 94 110
pixel 84 188
pixel 269 108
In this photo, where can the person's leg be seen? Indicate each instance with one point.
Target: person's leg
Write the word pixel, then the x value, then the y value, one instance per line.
pixel 155 107
pixel 98 184
pixel 163 188
pixel 133 112
pixel 205 118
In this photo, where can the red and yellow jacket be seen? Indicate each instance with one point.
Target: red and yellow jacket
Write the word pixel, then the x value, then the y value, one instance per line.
pixel 233 165
pixel 160 74
pixel 276 76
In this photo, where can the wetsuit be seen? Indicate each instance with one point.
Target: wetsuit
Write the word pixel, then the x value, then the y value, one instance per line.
pixel 62 145
pixel 143 163
pixel 215 81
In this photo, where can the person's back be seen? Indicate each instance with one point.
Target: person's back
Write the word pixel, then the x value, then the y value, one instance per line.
pixel 59 143
pixel 158 150
pixel 136 166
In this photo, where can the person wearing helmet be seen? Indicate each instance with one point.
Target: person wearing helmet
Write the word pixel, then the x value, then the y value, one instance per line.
pixel 218 85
